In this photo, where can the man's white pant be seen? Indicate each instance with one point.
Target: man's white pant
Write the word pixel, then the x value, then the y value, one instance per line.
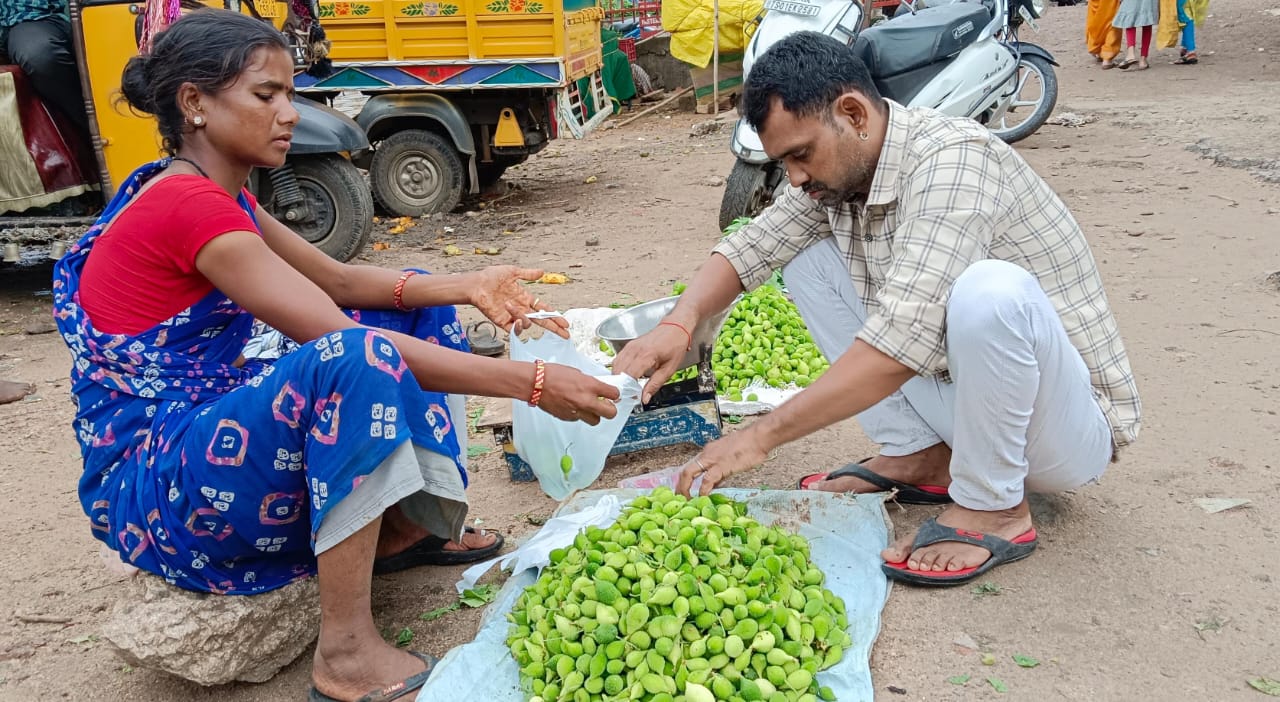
pixel 1020 414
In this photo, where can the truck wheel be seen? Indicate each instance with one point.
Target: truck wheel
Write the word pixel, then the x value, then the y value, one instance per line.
pixel 416 172
pixel 340 204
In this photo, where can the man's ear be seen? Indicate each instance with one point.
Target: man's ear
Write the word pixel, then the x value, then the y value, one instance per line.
pixel 852 109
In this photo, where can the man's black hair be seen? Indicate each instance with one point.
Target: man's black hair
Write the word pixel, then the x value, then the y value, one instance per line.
pixel 807 71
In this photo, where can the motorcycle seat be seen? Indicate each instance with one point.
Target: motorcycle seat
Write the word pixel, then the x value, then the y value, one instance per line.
pixel 910 41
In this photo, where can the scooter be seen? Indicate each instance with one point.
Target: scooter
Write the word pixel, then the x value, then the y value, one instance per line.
pixel 960 57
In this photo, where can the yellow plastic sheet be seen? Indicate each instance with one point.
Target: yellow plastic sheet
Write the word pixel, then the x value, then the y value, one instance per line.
pixel 691 25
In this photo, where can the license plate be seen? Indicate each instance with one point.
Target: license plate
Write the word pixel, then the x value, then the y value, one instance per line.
pixel 1029 19
pixel 792 8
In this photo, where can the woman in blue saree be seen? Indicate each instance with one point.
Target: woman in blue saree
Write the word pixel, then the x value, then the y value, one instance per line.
pixel 342 458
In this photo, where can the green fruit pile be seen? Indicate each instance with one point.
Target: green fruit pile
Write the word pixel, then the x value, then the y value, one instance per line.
pixel 764 340
pixel 679 601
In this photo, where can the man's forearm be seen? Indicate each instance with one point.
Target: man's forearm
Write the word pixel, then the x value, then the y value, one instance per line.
pixel 857 380
pixel 714 286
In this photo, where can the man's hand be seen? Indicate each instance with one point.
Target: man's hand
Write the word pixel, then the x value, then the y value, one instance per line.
pixel 498 294
pixel 655 355
pixel 720 459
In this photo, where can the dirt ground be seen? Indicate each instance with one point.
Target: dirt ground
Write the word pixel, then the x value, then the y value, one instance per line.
pixel 1137 592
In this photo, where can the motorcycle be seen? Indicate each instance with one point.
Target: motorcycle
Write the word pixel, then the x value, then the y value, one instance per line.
pixel 960 57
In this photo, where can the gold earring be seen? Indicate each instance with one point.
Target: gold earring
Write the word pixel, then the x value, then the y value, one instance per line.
pixel 861 135
pixel 199 122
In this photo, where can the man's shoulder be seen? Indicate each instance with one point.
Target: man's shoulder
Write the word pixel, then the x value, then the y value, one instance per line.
pixel 930 131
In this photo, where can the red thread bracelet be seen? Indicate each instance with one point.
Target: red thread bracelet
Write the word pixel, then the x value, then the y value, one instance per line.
pixel 689 346
pixel 539 377
pixel 397 297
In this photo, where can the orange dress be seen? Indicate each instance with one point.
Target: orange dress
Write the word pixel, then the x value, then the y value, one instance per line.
pixel 1102 39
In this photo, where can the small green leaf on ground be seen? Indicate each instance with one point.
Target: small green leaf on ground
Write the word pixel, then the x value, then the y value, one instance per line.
pixel 535 519
pixel 479 596
pixel 437 613
pixel 473 451
pixel 733 419
pixel 1266 686
pixel 1025 661
pixel 87 638
pixel 997 684
pixel 988 659
pixel 987 588
pixel 959 679
pixel 404 638
pixel 126 668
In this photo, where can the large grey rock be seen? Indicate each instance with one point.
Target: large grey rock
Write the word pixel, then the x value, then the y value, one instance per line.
pixel 213 639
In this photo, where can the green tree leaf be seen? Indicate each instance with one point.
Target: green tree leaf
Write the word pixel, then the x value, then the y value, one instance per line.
pixel 959 679
pixel 1025 661
pixel 404 638
pixel 997 684
pixel 1266 686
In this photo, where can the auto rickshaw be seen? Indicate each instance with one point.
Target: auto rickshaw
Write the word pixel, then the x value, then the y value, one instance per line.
pixel 57 181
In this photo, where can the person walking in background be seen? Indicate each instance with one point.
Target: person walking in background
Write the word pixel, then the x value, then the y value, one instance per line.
pixel 1100 36
pixel 1190 13
pixel 1134 14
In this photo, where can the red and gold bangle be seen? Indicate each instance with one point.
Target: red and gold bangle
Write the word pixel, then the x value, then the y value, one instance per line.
pixel 397 296
pixel 539 377
pixel 689 346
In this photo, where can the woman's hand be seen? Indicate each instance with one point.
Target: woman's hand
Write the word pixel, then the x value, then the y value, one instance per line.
pixel 500 296
pixel 572 395
pixel 720 459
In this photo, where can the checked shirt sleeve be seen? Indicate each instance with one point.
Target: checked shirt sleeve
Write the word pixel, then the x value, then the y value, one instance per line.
pixel 791 224
pixel 947 211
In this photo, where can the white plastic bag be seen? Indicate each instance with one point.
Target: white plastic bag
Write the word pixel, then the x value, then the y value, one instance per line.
pixel 665 477
pixel 544 441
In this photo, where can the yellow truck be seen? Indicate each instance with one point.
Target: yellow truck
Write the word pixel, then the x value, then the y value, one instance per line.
pixel 459 90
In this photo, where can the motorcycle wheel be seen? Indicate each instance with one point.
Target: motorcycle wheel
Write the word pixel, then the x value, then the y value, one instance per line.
pixel 340 203
pixel 746 192
pixel 1040 107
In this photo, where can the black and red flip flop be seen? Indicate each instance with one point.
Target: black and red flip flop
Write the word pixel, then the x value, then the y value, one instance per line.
pixel 907 494
pixel 931 532
pixel 431 551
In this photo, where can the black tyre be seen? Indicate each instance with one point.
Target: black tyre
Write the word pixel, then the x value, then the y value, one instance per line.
pixel 340 204
pixel 746 193
pixel 1033 111
pixel 490 173
pixel 416 172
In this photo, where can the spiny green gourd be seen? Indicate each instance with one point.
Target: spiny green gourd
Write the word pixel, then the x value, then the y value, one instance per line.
pixel 680 600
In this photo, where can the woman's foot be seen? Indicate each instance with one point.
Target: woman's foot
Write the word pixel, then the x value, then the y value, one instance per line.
pixel 1108 64
pixel 951 556
pixel 399 534
pixel 931 466
pixel 347 666
pixel 1188 58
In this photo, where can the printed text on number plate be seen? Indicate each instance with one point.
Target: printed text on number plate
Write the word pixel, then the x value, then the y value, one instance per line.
pixel 793 8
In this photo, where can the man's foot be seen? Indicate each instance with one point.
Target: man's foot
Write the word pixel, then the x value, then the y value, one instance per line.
pixel 349 669
pixel 951 556
pixel 932 466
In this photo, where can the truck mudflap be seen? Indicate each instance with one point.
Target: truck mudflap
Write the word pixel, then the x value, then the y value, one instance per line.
pixel 572 107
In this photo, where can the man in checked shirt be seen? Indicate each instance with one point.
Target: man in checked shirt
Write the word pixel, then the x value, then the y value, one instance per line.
pixel 953 292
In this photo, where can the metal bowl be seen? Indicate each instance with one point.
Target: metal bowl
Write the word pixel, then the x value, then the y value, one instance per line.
pixel 634 322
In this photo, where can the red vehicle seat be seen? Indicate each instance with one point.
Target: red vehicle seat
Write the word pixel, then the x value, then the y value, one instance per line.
pixel 43 159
